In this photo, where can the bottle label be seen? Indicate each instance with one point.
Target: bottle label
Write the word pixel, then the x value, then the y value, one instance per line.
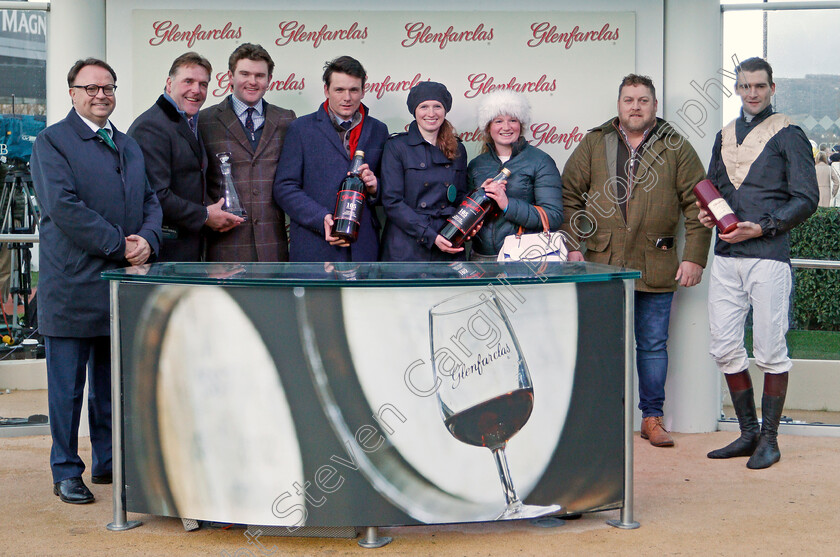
pixel 350 204
pixel 720 208
pixel 466 215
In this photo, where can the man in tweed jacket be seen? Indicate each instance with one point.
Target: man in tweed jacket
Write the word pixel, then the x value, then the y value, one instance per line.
pixel 623 190
pixel 252 131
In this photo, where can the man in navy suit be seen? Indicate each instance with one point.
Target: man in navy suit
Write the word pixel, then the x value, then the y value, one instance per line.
pixel 315 159
pixel 98 213
pixel 176 162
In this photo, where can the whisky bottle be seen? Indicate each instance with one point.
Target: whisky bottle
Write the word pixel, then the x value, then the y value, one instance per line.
pixel 714 203
pixel 470 214
pixel 350 202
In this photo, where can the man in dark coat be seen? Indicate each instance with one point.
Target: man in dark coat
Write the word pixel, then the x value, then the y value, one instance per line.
pixel 176 162
pixel 252 132
pixel 315 159
pixel 98 213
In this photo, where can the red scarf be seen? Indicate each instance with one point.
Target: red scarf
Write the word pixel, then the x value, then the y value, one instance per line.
pixel 355 132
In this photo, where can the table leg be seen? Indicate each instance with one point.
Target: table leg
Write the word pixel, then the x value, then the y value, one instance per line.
pixel 120 523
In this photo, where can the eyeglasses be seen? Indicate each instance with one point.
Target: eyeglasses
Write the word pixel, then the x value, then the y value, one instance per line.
pixel 93 90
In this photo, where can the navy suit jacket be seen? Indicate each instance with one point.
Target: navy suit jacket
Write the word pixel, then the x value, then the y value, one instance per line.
pixel 175 164
pixel 416 178
pixel 91 198
pixel 312 165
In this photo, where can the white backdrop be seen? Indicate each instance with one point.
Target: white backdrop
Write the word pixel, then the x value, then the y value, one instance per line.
pixel 549 56
pixel 567 58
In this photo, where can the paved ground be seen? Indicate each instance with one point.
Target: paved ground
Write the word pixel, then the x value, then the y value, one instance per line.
pixel 686 504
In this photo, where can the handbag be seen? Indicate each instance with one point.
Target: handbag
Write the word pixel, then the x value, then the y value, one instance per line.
pixel 545 246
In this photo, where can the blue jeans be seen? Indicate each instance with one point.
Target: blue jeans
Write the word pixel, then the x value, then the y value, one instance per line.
pixel 652 317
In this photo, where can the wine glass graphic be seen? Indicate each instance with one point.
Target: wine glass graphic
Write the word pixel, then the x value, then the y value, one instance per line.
pixel 483 386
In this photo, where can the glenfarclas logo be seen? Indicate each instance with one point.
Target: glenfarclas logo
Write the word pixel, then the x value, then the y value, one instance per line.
pixel 420 33
pixel 295 32
pixel 291 83
pixel 546 33
pixel 547 134
pixel 481 84
pixel 471 137
pixel 388 85
pixel 169 32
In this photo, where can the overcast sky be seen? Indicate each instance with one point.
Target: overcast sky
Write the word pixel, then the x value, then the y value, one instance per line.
pixel 806 42
pixel 799 43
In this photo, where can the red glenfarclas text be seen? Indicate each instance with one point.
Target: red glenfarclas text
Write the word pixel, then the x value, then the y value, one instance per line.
pixel 291 83
pixel 546 33
pixel 481 84
pixel 420 33
pixel 166 31
pixel 474 136
pixel 295 32
pixel 547 134
pixel 379 88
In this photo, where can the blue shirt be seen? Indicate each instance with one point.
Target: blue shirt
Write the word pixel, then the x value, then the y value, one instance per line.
pixel 241 111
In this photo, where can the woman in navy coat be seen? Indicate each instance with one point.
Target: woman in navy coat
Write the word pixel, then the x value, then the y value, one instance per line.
pixel 424 180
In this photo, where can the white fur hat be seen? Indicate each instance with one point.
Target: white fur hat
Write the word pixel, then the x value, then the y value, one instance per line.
pixel 504 101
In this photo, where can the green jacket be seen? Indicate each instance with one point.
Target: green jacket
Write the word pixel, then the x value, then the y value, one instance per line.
pixel 662 187
pixel 534 180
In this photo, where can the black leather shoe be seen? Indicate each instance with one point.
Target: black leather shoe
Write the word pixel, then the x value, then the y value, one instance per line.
pixel 73 490
pixel 105 478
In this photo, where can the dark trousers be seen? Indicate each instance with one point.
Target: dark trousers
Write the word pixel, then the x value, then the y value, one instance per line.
pixel 67 360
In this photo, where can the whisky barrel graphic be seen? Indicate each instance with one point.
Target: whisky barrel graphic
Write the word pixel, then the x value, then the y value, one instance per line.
pixel 214 433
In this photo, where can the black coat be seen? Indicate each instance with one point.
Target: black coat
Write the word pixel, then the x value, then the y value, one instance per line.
pixel 415 179
pixel 91 198
pixel 175 164
pixel 770 160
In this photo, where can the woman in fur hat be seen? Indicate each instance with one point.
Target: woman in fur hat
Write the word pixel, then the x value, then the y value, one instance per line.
pixel 424 180
pixel 504 116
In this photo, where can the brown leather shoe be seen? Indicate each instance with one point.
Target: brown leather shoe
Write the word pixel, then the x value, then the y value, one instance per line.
pixel 653 429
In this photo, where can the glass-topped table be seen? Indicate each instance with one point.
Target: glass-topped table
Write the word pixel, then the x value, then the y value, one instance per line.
pixel 459 273
pixel 244 383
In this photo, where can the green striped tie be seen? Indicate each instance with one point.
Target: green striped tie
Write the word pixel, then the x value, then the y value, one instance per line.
pixel 103 133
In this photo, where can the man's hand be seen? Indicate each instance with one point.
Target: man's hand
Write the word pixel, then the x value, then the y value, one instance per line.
pixel 220 220
pixel 746 231
pixel 369 178
pixel 138 269
pixel 333 240
pixel 445 245
pixel 137 249
pixel 574 256
pixel 689 273
pixel 705 217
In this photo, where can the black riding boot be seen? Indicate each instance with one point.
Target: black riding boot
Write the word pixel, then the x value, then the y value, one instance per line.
pixel 772 402
pixel 741 391
pixel 744 403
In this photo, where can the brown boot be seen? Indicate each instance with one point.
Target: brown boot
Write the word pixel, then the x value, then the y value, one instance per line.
pixel 653 429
